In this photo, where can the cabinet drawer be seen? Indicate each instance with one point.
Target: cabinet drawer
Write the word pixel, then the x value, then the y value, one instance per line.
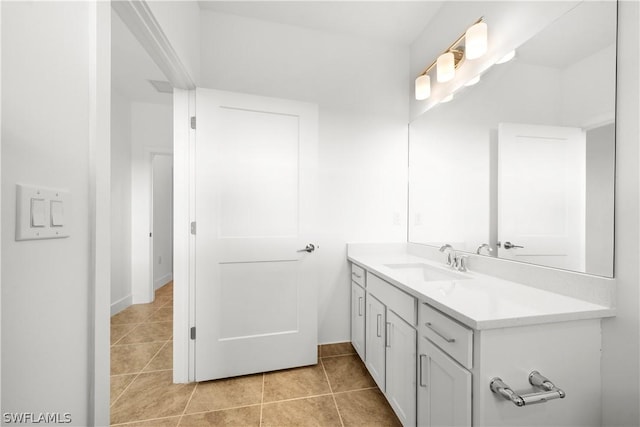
pixel 452 337
pixel 403 304
pixel 357 275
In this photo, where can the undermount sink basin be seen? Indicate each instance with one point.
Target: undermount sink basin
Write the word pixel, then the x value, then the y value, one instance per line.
pixel 425 272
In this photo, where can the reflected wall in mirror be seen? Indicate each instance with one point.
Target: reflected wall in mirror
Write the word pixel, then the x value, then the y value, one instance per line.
pixel 526 156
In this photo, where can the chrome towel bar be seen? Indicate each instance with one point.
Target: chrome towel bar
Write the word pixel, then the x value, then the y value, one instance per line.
pixel 550 391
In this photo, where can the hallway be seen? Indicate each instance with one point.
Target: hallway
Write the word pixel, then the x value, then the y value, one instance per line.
pixel 337 391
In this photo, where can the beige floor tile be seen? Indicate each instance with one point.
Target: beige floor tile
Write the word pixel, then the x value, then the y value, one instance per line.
pixel 247 416
pixel 163 360
pixel 314 411
pixel 347 373
pixel 120 330
pixel 294 383
pixel 149 332
pixel 227 393
pixel 151 395
pixel 365 408
pixel 162 422
pixel 165 291
pixel 164 314
pixel 136 313
pixel 129 359
pixel 118 384
pixel 338 349
pixel 160 302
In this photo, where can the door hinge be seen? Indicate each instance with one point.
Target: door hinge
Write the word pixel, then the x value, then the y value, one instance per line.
pixel 193 122
pixel 193 333
pixel 193 228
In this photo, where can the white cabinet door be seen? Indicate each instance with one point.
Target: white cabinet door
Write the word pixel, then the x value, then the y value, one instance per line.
pixel 357 319
pixel 401 368
pixel 444 389
pixel 375 345
pixel 255 290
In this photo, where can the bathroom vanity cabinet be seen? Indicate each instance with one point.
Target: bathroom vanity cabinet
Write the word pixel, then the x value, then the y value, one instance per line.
pixel 434 362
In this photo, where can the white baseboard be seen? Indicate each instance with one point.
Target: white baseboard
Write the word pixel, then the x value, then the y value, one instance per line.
pixel 121 304
pixel 161 281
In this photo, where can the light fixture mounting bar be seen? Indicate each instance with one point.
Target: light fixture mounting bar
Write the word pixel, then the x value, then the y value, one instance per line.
pixel 450 48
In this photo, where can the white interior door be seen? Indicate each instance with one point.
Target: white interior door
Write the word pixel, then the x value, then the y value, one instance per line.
pixel 255 291
pixel 541 196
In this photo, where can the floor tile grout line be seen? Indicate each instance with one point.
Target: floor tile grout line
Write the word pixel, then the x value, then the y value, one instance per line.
pixel 262 399
pixel 337 355
pixel 143 421
pixel 187 405
pixel 333 396
pixel 293 399
pixel 231 408
pixel 355 390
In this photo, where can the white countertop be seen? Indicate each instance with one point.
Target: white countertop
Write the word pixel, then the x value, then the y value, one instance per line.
pixel 480 301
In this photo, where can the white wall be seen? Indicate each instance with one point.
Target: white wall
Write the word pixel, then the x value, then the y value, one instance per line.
pixel 360 86
pixel 46 56
pixel 120 202
pixel 151 132
pixel 621 334
pixel 162 220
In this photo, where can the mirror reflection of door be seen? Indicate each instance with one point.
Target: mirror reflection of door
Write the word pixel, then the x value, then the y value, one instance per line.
pixel 541 195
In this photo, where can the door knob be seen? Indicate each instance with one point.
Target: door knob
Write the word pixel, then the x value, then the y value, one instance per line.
pixel 309 248
pixel 509 245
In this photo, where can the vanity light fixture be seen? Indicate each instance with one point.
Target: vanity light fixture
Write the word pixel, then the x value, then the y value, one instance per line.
pixel 471 45
pixel 447 98
pixel 508 57
pixel 423 87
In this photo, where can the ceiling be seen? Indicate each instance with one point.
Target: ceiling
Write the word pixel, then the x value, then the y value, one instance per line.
pixel 586 29
pixel 397 22
pixel 132 67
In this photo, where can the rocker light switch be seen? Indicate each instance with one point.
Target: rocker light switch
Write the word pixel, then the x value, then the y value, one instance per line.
pixel 37 213
pixel 57 213
pixel 42 213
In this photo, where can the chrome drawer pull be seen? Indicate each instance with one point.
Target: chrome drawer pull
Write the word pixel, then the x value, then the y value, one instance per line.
pixel 388 334
pixel 422 382
pixel 360 306
pixel 379 318
pixel 356 274
pixel 435 331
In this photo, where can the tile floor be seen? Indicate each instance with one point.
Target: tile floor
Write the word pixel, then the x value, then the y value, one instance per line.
pixel 338 391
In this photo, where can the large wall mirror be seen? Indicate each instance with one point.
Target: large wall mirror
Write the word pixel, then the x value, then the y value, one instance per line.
pixel 524 160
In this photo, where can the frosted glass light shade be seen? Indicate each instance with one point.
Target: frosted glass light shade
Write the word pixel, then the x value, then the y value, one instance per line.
pixel 475 41
pixel 445 67
pixel 447 98
pixel 423 87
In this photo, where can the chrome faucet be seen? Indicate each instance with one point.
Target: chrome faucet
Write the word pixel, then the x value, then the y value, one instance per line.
pixel 448 249
pixel 484 246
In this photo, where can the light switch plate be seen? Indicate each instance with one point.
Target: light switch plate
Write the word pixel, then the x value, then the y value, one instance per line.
pixel 35 218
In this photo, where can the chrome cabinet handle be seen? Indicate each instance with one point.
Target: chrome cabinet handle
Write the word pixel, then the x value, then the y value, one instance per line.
pixel 378 333
pixel 422 382
pixel 359 306
pixel 354 274
pixel 435 331
pixel 309 248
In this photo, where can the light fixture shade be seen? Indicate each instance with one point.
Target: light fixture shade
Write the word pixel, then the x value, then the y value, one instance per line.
pixel 445 66
pixel 508 57
pixel 423 87
pixel 475 41
pixel 447 98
